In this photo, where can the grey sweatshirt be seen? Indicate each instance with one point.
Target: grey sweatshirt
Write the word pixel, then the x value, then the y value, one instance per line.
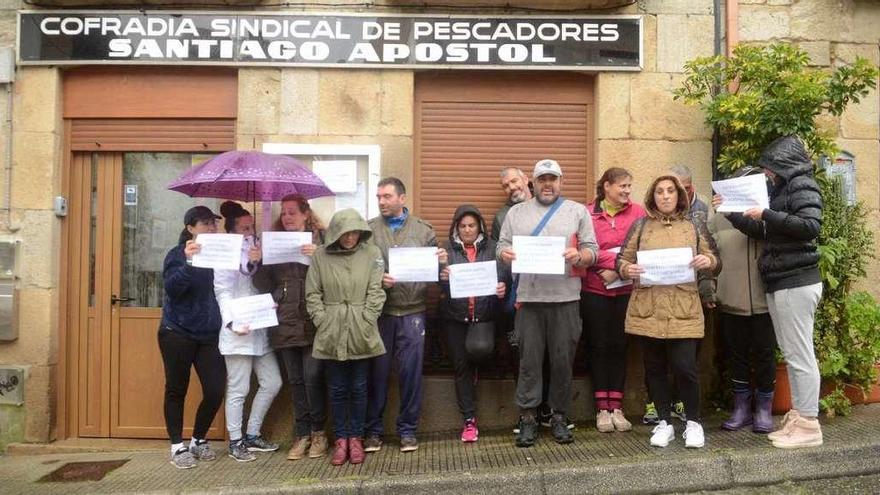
pixel 569 220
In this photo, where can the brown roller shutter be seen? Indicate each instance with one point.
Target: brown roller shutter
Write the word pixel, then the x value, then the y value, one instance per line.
pixel 193 135
pixel 150 92
pixel 182 109
pixel 468 126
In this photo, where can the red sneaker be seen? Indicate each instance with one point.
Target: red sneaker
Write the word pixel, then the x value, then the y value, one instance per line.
pixel 340 452
pixel 470 433
pixel 355 450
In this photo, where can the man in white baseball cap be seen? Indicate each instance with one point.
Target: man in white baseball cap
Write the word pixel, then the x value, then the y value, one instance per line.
pixel 548 316
pixel 547 166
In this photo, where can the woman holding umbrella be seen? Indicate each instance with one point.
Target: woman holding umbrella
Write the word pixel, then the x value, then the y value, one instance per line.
pixel 293 337
pixel 188 337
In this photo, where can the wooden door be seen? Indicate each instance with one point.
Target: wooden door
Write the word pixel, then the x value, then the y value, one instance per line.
pixel 122 223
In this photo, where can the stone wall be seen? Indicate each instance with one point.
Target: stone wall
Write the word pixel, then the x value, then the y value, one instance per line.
pixel 638 124
pixel 322 106
pixel 36 178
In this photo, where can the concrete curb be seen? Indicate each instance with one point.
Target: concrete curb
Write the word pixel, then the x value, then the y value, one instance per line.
pixel 716 470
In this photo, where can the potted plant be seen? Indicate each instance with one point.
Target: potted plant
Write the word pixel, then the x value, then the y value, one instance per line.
pixel 782 395
pixel 757 95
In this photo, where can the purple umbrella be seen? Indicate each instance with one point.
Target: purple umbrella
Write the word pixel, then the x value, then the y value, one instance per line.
pixel 250 176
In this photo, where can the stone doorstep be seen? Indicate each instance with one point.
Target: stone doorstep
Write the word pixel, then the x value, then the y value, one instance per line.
pixel 85 445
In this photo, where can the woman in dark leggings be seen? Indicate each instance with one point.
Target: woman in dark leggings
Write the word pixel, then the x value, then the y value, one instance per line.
pixel 668 315
pixel 469 321
pixel 188 338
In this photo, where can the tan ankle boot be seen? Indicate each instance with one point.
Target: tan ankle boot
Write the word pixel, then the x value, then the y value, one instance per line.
pixel 803 433
pixel 298 449
pixel 319 445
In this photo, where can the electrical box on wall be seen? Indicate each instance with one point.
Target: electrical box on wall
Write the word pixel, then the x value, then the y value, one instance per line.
pixel 8 299
pixel 7 65
pixel 12 385
pixel 843 169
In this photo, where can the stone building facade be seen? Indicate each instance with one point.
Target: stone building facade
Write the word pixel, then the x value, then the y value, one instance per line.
pixel 637 125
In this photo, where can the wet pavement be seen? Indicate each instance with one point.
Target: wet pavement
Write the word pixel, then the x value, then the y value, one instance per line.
pixel 595 462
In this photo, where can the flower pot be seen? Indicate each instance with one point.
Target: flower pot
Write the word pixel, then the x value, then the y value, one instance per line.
pixel 874 393
pixel 852 392
pixel 782 391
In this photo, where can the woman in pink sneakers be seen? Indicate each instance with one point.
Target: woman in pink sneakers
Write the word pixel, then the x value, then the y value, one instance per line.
pixel 604 297
pixel 789 266
pixel 668 315
pixel 469 321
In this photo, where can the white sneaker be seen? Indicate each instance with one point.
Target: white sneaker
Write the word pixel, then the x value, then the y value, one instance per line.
pixel 619 421
pixel 693 435
pixel 662 434
pixel 604 422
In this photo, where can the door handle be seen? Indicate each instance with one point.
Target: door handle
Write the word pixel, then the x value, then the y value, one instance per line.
pixel 114 299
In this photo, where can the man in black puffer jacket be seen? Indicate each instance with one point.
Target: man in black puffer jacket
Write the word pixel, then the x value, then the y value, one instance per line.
pixel 790 271
pixel 469 321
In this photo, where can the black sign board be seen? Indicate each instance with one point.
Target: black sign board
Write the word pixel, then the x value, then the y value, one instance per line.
pixel 282 39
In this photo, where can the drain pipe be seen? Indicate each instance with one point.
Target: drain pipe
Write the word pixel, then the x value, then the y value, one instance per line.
pixel 7 168
pixel 732 25
pixel 731 37
pixel 716 138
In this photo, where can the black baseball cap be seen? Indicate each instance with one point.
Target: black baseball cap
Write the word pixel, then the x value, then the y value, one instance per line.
pixel 196 213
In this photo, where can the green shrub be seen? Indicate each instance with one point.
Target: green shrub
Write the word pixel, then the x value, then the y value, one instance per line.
pixel 763 92
pixel 758 95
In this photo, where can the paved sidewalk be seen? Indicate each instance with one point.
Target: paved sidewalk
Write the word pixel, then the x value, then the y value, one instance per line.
pixel 595 462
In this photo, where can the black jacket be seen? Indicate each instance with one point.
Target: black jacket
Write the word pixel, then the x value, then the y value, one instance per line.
pixel 189 307
pixel 486 307
pixel 791 225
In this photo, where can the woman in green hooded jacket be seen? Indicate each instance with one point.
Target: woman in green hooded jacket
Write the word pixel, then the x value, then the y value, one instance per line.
pixel 344 297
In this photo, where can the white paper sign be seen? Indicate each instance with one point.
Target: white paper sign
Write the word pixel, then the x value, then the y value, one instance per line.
pixel 473 279
pixel 666 266
pixel 218 251
pixel 339 175
pixel 413 264
pixel 742 193
pixel 536 254
pixel 255 311
pixel 285 247
pixel 619 282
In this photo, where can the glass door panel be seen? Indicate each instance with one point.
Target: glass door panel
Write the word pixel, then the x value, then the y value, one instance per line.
pixel 152 220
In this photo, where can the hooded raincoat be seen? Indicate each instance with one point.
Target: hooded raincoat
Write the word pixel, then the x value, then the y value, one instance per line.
pixel 791 225
pixel 344 294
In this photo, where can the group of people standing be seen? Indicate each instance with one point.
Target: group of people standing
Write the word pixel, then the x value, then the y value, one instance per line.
pixel 344 321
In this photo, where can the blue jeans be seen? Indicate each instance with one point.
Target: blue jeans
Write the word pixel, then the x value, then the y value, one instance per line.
pixel 347 384
pixel 404 339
